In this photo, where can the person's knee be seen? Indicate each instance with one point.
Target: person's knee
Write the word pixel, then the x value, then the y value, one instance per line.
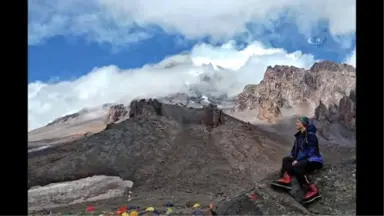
pixel 319 166
pixel 297 169
pixel 287 159
pixel 313 166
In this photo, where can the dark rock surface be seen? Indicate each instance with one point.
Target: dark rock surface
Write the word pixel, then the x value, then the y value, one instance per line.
pixel 337 185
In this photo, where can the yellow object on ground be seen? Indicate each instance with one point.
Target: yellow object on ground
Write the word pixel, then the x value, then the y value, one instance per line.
pixel 169 211
pixel 125 214
pixel 197 205
pixel 134 213
pixel 150 209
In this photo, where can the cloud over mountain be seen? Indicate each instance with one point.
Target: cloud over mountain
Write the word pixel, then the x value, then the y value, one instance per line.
pixel 236 68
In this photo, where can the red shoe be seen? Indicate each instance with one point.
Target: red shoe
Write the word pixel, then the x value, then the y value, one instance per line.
pixel 312 194
pixel 285 182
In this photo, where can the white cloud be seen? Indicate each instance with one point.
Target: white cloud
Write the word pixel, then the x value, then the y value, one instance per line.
pixel 351 59
pixel 47 101
pixel 119 22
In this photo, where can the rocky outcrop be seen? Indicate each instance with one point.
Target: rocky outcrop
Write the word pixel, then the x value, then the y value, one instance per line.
pixel 341 115
pixel 213 117
pixel 116 113
pixel 145 108
pixel 269 111
pixel 79 191
pixel 347 111
pixel 209 116
pixel 287 89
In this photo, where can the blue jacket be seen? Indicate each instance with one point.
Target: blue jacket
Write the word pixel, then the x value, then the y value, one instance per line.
pixel 198 212
pixel 306 146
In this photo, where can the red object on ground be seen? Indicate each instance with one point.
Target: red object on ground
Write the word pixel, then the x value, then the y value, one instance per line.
pixel 123 209
pixel 253 196
pixel 313 191
pixel 285 180
pixel 90 209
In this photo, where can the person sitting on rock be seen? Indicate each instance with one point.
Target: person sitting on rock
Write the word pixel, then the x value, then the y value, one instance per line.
pixel 304 158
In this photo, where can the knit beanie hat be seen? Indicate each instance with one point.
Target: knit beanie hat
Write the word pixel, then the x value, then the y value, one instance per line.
pixel 304 120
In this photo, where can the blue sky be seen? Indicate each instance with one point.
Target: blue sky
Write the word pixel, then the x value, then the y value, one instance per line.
pixel 85 53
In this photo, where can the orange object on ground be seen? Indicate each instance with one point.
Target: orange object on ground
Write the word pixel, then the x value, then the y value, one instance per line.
pixel 133 213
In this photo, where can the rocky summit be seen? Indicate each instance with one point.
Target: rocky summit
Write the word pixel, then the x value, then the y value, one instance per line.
pixel 287 90
pixel 187 148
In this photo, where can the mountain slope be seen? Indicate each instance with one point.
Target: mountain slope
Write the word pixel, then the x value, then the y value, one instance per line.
pixel 337 184
pixel 168 147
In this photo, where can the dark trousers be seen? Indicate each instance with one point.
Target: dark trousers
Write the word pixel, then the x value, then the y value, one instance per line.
pixel 300 169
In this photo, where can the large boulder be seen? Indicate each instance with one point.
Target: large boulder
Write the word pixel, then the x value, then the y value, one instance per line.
pixel 79 191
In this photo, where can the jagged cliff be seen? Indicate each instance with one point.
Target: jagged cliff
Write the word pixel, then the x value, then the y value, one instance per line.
pixel 288 90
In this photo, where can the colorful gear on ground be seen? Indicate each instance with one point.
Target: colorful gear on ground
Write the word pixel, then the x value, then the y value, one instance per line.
pixel 133 213
pixel 197 205
pixel 169 211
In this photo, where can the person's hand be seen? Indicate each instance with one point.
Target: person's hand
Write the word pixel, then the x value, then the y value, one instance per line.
pixel 294 162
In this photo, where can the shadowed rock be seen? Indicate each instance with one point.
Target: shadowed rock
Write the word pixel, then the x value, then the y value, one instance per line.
pixel 337 122
pixel 209 116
